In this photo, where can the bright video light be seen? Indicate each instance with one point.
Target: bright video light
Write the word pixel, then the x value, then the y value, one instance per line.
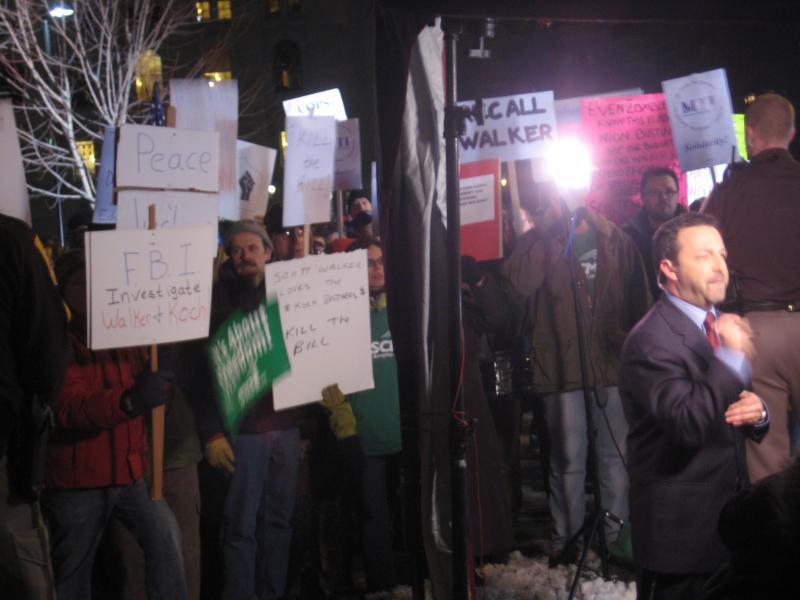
pixel 59 11
pixel 271 189
pixel 570 164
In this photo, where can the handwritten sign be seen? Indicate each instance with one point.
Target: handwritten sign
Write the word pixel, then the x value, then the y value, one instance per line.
pixel 167 158
pixel 201 107
pixel 701 115
pixel 347 175
pixel 254 165
pixel 14 202
pixel 515 128
pixel 173 209
pixel 324 308
pixel 105 211
pixel 308 171
pixel 149 287
pixel 481 222
pixel 627 135
pixel 321 104
pixel 247 354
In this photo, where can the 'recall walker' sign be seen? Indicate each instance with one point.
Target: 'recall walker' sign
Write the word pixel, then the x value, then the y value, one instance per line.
pixel 514 128
pixel 701 115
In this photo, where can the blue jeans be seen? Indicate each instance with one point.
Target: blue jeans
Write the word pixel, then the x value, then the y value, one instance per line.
pixel 77 519
pixel 257 529
pixel 565 417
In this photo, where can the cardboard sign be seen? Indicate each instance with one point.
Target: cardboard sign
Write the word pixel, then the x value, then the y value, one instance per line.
pixel 149 287
pixel 515 127
pixel 254 167
pixel 105 211
pixel 173 209
pixel 167 158
pixel 247 355
pixel 321 104
pixel 481 216
pixel 701 115
pixel 324 307
pixel 627 135
pixel 308 171
pixel 201 107
pixel 14 201
pixel 347 175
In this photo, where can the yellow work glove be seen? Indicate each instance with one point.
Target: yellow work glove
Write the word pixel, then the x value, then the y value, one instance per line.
pixel 342 420
pixel 220 454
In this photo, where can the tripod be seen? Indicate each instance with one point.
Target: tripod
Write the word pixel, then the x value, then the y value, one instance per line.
pixel 595 523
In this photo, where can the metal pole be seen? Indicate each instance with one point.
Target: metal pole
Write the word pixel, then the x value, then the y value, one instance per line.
pixel 458 433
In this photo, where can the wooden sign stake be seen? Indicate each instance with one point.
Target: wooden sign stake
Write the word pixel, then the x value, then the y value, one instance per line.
pixel 157 414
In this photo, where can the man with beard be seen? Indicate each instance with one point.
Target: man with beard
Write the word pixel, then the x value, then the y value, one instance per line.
pixel 262 459
pixel 683 378
pixel 659 190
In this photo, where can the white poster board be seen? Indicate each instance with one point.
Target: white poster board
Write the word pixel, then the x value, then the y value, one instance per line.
pixel 476 195
pixel 254 168
pixel 308 170
pixel 105 211
pixel 149 287
pixel 321 104
pixel 701 116
pixel 200 106
pixel 347 174
pixel 324 307
pixel 173 209
pixel 14 199
pixel 167 158
pixel 515 128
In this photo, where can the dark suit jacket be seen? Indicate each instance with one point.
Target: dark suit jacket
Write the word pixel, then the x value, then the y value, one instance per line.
pixel 684 461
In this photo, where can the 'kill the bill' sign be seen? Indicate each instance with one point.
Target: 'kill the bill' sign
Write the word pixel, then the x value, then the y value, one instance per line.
pixel 247 355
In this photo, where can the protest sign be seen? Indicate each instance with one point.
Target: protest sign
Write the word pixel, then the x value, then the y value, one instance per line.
pixel 481 217
pixel 167 158
pixel 741 140
pixel 247 355
pixel 149 287
pixel 308 170
pixel 627 135
pixel 324 308
pixel 105 211
pixel 14 201
pixel 173 209
pixel 347 175
pixel 321 104
pixel 515 127
pixel 254 165
pixel 701 116
pixel 202 107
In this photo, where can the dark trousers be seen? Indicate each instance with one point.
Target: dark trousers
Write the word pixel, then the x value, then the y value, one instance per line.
pixel 669 586
pixel 376 526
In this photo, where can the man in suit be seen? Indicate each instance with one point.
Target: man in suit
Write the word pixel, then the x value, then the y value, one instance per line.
pixel 683 378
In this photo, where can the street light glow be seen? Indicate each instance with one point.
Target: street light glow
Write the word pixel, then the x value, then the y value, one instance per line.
pixel 60 11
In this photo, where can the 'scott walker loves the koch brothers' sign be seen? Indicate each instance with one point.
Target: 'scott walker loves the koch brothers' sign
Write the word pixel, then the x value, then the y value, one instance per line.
pixel 324 312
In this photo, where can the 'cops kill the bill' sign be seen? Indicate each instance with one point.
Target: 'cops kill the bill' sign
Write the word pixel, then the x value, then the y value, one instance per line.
pixel 247 354
pixel 514 128
pixel 149 287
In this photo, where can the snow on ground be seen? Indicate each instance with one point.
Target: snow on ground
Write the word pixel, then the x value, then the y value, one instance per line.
pixel 524 578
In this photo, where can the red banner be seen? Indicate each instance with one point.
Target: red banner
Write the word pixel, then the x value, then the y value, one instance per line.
pixel 481 216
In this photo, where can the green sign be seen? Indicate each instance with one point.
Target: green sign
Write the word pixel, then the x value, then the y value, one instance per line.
pixel 247 355
pixel 738 126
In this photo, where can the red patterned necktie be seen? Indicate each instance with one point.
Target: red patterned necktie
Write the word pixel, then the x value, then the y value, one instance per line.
pixel 711 333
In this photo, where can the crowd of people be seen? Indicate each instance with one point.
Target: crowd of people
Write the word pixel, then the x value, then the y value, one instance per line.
pixel 660 353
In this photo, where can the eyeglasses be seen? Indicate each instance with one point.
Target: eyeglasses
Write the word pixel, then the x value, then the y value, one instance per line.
pixel 375 262
pixel 668 194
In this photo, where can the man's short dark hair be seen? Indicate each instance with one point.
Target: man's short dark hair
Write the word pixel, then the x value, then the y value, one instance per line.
pixel 657 172
pixel 665 239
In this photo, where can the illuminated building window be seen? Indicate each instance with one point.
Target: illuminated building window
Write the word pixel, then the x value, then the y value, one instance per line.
pixel 224 10
pixel 287 66
pixel 86 150
pixel 273 7
pixel 215 77
pixel 148 71
pixel 203 11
